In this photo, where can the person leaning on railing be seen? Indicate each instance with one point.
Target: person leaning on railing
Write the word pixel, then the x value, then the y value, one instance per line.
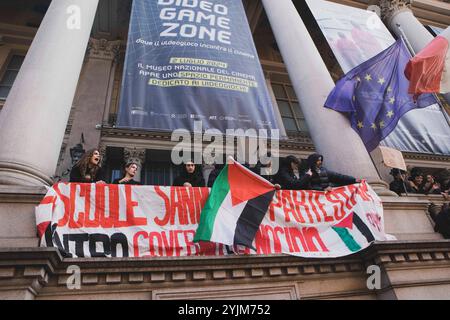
pixel 191 176
pixel 128 174
pixel 441 218
pixel 399 184
pixel 431 186
pixel 88 169
pixel 290 176
pixel 416 182
pixel 321 179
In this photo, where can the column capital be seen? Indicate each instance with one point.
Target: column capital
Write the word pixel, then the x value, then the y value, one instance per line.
pixel 134 155
pixel 102 151
pixel 389 8
pixel 103 49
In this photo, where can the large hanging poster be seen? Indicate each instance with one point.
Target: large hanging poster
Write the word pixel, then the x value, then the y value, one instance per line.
pixel 100 220
pixel 356 35
pixel 191 60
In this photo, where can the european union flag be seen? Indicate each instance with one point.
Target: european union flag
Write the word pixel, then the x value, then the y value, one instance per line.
pixel 375 95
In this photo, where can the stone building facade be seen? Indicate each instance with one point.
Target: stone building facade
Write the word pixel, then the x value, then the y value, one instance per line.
pixel 63 97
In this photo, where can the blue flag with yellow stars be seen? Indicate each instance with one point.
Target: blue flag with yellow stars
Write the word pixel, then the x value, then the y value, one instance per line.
pixel 375 95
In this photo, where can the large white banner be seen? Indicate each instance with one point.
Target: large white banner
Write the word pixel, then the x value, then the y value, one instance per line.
pixel 356 35
pixel 102 220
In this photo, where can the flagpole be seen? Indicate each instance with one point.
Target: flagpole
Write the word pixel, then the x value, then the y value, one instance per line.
pixel 405 40
pixel 413 53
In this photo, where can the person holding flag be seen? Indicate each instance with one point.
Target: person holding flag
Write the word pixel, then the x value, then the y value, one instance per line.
pixel 375 95
pixel 236 206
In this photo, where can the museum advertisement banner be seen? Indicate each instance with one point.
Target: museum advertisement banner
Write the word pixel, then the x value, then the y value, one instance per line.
pixel 192 60
pixel 104 220
pixel 355 35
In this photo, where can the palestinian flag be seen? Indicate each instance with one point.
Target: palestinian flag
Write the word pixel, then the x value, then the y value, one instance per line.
pixel 429 70
pixel 237 204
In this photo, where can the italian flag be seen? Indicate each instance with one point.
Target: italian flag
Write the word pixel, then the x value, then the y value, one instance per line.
pixel 429 70
pixel 237 204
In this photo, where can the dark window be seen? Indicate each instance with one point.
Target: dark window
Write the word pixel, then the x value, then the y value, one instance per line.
pixel 291 113
pixel 159 169
pixel 10 75
pixel 114 163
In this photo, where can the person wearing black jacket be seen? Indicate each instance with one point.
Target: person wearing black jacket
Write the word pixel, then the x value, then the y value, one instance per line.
pixel 88 169
pixel 214 174
pixel 321 179
pixel 190 176
pixel 129 173
pixel 398 185
pixel 289 176
pixel 442 218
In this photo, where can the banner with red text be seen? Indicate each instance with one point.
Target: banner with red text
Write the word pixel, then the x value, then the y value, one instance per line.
pixel 102 220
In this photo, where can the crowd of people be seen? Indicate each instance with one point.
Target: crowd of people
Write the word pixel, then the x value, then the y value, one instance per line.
pixel 416 182
pixel 294 174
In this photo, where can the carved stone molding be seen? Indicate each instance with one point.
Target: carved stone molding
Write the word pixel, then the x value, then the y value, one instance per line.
pixel 134 155
pixel 102 151
pixel 298 142
pixel 43 273
pixel 103 49
pixel 24 272
pixel 391 7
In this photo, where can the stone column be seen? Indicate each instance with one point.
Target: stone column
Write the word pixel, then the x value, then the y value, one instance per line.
pixel 137 156
pixel 33 120
pixel 397 13
pixel 330 131
pixel 92 97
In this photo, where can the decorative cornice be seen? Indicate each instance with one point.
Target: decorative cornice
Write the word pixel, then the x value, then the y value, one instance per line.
pixel 103 49
pixel 389 8
pixel 297 142
pixel 102 150
pixel 134 155
pixel 426 157
pixel 46 268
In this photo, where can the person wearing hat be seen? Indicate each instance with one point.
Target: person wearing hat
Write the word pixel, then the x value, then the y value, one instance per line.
pixel 129 173
pixel 321 179
pixel 398 185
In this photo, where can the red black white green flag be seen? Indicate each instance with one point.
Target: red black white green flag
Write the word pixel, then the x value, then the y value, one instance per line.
pixel 236 206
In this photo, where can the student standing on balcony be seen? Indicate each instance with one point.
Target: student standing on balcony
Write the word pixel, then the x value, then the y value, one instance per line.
pixel 399 185
pixel 129 173
pixel 190 176
pixel 290 176
pixel 88 169
pixel 321 179
pixel 441 218
pixel 431 186
pixel 416 183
